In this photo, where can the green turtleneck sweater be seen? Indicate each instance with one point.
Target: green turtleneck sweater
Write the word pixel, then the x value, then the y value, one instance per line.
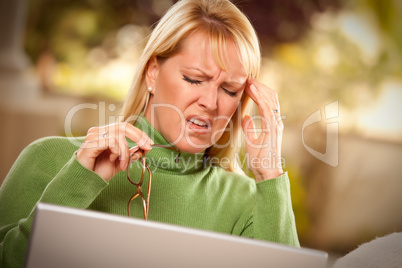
pixel 188 193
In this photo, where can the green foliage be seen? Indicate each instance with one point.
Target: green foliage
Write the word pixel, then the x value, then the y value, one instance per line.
pixel 347 57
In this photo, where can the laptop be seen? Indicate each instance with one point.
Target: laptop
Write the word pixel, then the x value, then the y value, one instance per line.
pixel 68 237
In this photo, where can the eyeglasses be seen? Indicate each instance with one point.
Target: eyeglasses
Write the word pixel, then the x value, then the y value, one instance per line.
pixel 139 192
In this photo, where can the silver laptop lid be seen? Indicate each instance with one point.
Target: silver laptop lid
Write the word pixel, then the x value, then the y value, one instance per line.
pixel 67 237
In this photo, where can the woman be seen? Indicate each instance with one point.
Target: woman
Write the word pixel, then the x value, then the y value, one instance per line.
pixel 191 91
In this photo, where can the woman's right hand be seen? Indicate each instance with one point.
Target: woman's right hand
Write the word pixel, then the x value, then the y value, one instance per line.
pixel 105 149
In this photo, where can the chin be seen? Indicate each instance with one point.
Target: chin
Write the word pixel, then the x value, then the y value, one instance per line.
pixel 192 148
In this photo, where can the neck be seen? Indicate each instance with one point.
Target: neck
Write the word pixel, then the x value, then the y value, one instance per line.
pixel 164 156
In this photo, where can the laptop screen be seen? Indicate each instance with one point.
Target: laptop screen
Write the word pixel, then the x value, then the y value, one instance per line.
pixel 67 237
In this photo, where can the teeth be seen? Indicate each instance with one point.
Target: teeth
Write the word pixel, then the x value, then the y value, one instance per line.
pixel 198 122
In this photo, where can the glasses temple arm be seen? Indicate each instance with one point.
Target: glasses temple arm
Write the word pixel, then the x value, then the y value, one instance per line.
pixel 170 148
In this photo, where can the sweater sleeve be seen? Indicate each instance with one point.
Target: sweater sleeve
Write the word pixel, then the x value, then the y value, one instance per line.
pixel 272 217
pixel 40 174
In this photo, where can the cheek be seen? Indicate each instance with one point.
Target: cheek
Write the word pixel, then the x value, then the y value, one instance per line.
pixel 226 110
pixel 170 89
pixel 228 105
pixel 164 90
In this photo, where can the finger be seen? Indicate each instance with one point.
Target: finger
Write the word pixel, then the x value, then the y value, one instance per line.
pixel 279 122
pixel 135 154
pixel 124 152
pixel 249 128
pixel 133 149
pixel 112 138
pixel 136 135
pixel 103 143
pixel 265 94
pixel 252 92
pixel 87 156
pixel 130 155
pixel 112 144
pixel 264 108
pixel 126 129
pixel 270 120
pixel 92 146
pixel 267 103
pixel 109 136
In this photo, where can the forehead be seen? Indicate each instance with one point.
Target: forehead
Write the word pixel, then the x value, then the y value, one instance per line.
pixel 202 52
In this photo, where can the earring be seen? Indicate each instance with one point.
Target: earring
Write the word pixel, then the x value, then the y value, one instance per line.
pixel 149 89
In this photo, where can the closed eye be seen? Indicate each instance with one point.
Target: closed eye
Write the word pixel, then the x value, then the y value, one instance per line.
pixel 191 81
pixel 197 82
pixel 230 93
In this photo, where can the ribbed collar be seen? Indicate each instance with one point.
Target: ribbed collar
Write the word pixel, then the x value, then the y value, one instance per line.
pixel 163 159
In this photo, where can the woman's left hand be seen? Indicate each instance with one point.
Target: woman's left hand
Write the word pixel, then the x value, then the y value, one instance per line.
pixel 264 148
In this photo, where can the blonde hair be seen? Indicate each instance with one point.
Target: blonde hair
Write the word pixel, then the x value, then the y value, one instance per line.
pixel 220 20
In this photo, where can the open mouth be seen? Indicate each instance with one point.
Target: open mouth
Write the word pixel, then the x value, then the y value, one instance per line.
pixel 199 124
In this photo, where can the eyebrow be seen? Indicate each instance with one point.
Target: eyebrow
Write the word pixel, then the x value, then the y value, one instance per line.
pixel 199 70
pixel 210 76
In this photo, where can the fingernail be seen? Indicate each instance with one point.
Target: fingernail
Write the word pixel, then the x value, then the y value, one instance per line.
pixel 253 88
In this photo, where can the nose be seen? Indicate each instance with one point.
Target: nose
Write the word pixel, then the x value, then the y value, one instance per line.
pixel 208 98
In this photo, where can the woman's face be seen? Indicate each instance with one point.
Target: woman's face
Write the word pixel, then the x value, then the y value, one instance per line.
pixel 193 99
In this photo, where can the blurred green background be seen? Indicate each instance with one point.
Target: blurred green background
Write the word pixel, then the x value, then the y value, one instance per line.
pixel 336 59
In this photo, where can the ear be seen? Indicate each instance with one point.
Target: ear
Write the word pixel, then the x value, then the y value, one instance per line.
pixel 151 72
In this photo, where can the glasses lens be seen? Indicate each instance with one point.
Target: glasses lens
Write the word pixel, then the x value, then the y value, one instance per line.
pixel 135 170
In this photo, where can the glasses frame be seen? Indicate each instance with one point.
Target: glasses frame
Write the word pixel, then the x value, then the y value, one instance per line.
pixel 138 185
